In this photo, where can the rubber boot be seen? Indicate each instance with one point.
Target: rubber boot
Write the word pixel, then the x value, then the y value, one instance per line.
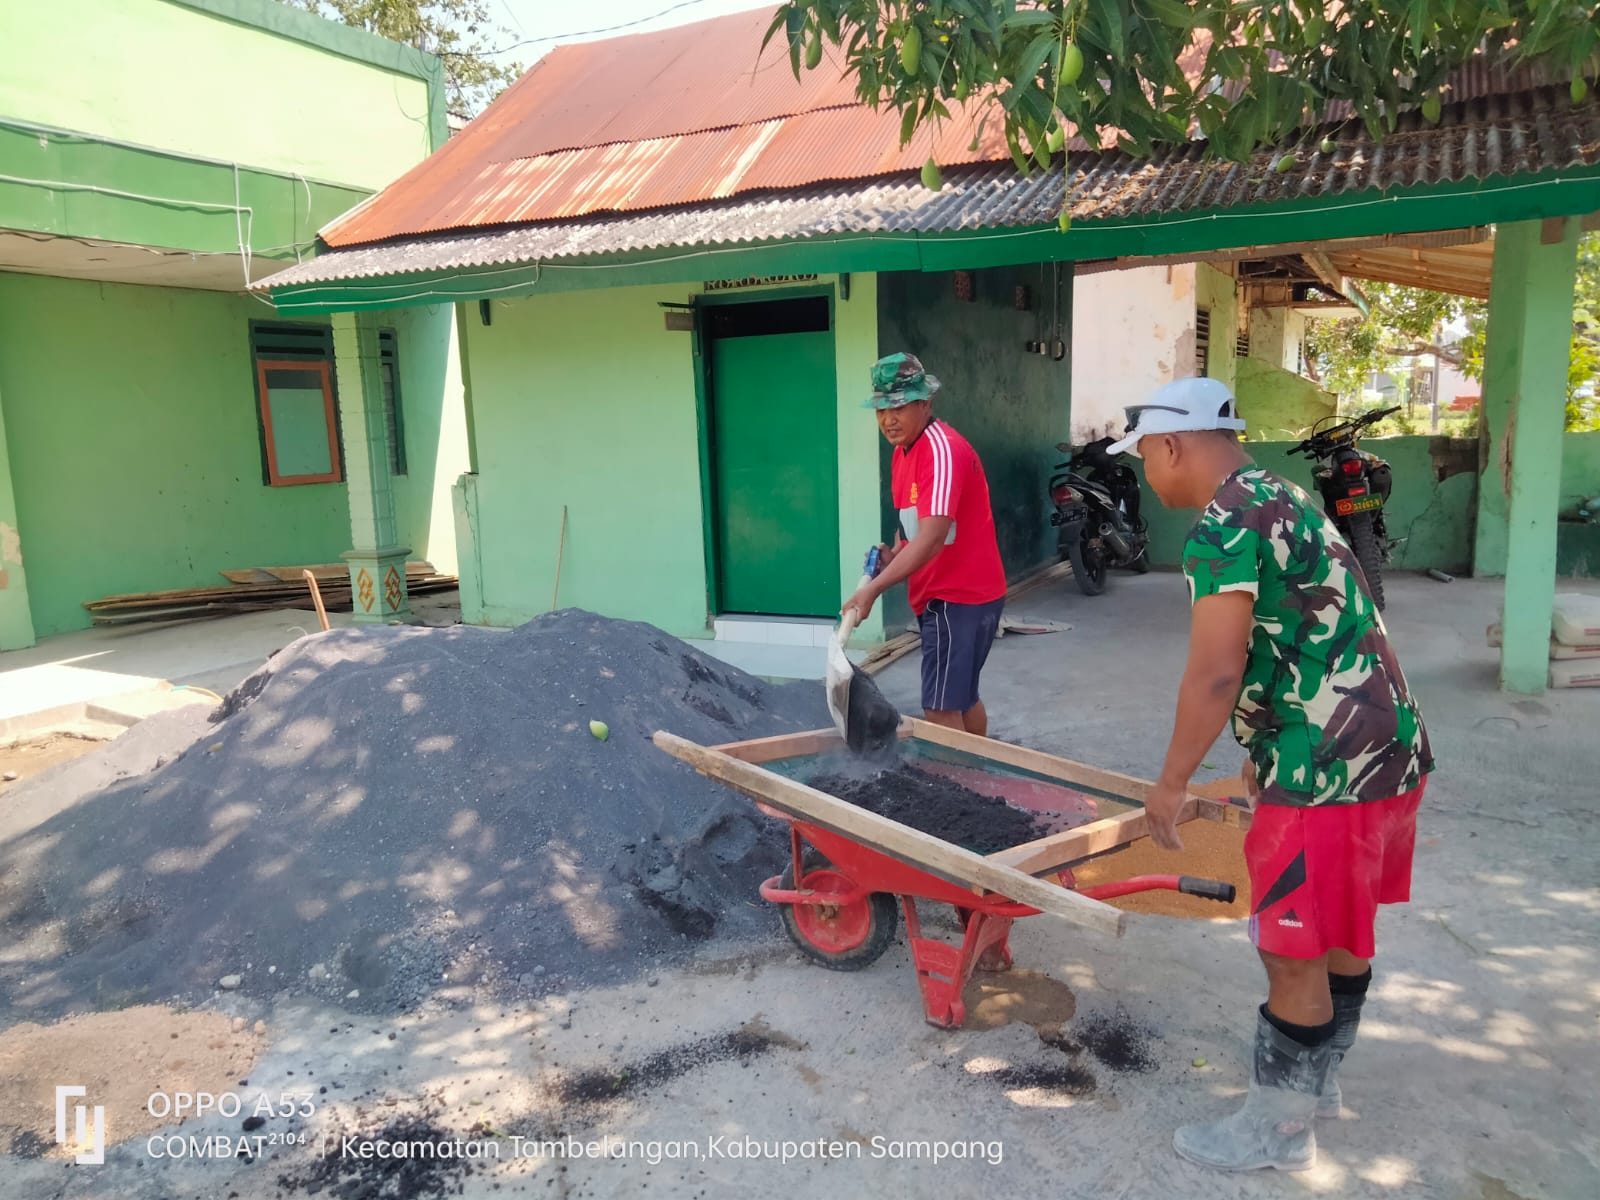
pixel 1347 1020
pixel 1274 1128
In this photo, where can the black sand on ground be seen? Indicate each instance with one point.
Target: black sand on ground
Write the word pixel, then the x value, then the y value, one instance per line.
pixel 396 811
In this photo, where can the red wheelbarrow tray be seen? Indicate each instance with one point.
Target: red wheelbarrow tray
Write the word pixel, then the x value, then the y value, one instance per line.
pixel 872 859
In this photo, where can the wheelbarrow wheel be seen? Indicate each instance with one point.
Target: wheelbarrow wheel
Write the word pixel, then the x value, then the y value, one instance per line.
pixel 845 937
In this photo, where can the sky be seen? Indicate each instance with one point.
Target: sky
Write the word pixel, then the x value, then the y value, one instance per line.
pixel 551 21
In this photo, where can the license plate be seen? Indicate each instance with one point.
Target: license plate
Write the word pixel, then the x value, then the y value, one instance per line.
pixel 1360 504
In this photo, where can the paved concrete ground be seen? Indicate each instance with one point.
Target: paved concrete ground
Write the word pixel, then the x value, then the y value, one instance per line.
pixel 50 683
pixel 1475 1077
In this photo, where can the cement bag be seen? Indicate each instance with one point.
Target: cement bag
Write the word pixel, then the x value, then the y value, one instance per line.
pixel 1576 619
pixel 1575 673
pixel 1557 650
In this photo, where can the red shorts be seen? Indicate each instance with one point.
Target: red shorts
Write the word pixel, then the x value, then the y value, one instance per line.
pixel 1317 875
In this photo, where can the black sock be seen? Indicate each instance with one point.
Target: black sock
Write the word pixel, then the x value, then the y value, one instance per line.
pixel 1309 1036
pixel 1350 985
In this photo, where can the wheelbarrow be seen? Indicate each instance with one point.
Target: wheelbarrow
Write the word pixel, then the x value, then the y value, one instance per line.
pixel 852 873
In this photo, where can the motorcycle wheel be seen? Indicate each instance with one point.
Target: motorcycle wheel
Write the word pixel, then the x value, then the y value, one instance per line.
pixel 1088 567
pixel 1364 542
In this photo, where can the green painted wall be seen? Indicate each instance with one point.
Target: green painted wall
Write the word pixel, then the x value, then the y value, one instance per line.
pixel 435 431
pixel 16 617
pixel 1435 516
pixel 171 75
pixel 76 185
pixel 134 450
pixel 1011 405
pixel 586 400
pixel 1278 405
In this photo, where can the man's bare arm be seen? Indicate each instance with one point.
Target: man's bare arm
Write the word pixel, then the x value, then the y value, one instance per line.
pixel 915 554
pixel 1219 642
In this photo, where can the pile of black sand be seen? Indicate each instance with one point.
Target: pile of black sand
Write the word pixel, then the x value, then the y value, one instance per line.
pixel 398 812
pixel 932 803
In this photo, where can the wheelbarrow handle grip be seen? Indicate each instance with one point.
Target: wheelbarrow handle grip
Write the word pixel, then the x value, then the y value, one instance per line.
pixel 1209 889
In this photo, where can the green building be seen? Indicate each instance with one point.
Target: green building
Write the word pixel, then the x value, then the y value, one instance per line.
pixel 158 421
pixel 671 271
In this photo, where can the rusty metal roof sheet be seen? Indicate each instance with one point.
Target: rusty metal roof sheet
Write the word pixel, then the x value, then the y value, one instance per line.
pixel 671 117
pixel 689 115
pixel 1536 133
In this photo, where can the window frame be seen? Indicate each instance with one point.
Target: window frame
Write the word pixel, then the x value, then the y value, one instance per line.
pixel 330 413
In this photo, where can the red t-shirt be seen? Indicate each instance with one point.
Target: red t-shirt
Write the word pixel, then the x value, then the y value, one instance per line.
pixel 940 476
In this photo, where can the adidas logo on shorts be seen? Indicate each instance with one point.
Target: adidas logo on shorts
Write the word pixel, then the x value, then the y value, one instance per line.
pixel 1292 920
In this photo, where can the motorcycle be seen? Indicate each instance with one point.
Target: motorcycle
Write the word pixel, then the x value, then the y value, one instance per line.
pixel 1355 487
pixel 1096 500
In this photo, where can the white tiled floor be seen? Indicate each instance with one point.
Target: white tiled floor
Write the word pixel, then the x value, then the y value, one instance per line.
pixel 774 631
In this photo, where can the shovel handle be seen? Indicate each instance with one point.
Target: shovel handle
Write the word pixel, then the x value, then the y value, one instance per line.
pixel 847 623
pixel 847 626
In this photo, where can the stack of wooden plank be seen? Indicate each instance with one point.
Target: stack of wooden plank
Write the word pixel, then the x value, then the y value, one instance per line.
pixel 255 589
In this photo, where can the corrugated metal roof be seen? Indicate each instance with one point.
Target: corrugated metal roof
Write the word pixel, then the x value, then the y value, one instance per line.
pixel 686 115
pixel 670 117
pixel 1535 133
pixel 685 168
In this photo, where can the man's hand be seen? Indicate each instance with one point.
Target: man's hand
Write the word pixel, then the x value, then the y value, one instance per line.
pixel 1252 786
pixel 1161 813
pixel 886 553
pixel 862 602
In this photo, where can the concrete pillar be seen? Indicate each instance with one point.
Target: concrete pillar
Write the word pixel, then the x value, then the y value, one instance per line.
pixel 16 616
pixel 1524 399
pixel 376 558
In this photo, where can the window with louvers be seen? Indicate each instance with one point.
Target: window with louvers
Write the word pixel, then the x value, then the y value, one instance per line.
pixel 1202 341
pixel 296 411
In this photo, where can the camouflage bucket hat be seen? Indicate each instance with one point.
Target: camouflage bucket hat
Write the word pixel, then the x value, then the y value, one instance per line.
pixel 899 379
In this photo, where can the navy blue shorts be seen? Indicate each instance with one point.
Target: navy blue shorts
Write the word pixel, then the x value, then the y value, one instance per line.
pixel 955 643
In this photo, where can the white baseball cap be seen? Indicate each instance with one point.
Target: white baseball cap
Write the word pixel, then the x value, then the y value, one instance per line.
pixel 1182 406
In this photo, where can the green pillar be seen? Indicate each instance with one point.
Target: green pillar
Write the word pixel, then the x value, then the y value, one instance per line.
pixel 16 616
pixel 1508 306
pixel 376 558
pixel 1525 379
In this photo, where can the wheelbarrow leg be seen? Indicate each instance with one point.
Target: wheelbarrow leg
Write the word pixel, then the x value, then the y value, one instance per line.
pixel 943 970
pixel 996 952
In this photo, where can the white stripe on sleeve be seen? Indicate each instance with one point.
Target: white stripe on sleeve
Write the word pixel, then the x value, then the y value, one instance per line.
pixel 939 505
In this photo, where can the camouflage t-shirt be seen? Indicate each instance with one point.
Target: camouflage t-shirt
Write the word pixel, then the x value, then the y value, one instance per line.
pixel 1324 713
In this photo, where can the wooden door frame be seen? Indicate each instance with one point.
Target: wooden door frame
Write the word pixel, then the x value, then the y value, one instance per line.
pixel 702 404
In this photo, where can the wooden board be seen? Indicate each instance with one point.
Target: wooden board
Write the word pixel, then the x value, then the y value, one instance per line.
pixel 1113 783
pixel 1074 845
pixel 784 745
pixel 901 842
pixel 323 572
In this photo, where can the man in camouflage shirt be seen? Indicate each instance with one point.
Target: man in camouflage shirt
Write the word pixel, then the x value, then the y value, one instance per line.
pixel 1285 636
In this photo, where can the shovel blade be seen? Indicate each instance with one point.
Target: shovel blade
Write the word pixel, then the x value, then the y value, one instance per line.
pixel 862 714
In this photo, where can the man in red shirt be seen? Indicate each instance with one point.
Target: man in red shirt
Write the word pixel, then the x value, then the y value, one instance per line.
pixel 948 555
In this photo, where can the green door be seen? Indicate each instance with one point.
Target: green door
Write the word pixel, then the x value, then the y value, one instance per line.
pixel 775 474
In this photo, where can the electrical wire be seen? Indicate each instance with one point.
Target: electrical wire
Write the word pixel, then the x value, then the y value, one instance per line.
pixel 583 33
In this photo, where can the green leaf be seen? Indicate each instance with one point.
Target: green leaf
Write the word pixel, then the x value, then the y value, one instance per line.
pixel 1417 18
pixel 1033 57
pixel 1030 16
pixel 1014 144
pixel 908 124
pixel 1170 13
pixel 778 22
pixel 1112 20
